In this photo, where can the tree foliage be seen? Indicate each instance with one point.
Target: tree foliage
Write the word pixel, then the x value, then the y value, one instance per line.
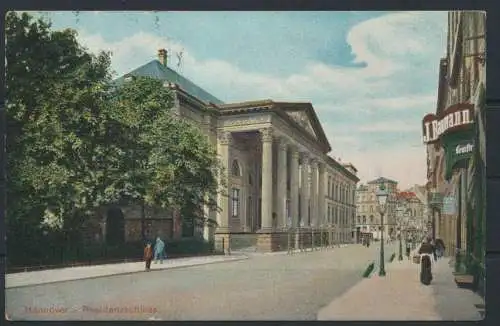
pixel 76 141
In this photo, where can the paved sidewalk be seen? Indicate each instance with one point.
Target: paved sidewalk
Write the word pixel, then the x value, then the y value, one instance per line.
pixel 85 272
pixel 400 296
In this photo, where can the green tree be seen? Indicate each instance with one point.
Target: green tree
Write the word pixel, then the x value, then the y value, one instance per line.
pixel 65 152
pixel 173 163
pixel 76 142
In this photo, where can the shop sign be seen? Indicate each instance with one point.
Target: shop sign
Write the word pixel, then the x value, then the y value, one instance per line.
pixel 455 117
pixel 449 205
pixel 457 151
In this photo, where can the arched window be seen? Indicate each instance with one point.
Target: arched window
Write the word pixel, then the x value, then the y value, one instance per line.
pixel 235 169
pixel 364 219
pixel 359 219
pixel 371 219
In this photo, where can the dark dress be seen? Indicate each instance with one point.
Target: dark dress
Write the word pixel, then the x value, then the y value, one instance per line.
pixel 425 264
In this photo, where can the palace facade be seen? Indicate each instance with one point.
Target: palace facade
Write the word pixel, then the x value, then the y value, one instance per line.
pixel 279 176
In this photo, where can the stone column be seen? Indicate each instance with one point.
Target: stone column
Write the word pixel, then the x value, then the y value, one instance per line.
pixel 294 188
pixel 304 189
pixel 321 192
pixel 267 178
pixel 222 236
pixel 282 180
pixel 314 193
pixel 224 141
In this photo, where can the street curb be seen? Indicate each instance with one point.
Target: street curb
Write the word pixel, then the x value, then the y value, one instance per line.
pixel 127 273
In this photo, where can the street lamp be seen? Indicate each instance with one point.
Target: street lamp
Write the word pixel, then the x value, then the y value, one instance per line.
pixel 400 257
pixel 301 236
pixel 400 243
pixel 312 236
pixel 382 195
pixel 321 236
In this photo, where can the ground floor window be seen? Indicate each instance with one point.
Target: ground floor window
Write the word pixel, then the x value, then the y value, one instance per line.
pixel 236 202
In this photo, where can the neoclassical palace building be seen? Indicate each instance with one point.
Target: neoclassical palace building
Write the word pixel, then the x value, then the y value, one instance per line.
pixel 277 168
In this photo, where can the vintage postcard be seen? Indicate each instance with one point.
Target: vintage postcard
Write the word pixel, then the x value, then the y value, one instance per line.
pixel 245 165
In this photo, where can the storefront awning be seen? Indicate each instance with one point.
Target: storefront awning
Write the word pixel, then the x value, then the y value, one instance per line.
pixel 458 148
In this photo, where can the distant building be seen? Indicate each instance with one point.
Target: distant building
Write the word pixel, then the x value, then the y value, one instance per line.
pixel 368 219
pixel 410 212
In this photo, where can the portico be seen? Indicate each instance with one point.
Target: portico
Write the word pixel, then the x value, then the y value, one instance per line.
pixel 274 166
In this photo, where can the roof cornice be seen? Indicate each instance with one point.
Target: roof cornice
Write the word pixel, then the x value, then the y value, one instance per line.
pixel 342 169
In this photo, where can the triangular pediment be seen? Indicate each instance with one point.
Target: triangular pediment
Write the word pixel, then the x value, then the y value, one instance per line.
pixel 302 118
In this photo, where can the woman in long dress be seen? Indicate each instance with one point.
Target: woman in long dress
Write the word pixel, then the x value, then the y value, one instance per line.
pixel 426 250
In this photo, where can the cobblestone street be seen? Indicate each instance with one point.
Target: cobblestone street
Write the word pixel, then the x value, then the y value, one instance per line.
pixel 264 287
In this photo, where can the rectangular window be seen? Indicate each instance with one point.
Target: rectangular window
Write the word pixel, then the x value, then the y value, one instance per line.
pixel 236 202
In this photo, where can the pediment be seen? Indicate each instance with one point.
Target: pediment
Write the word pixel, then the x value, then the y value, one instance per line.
pixel 302 118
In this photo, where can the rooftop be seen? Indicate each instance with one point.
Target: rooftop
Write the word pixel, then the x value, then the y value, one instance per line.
pixel 406 195
pixel 382 180
pixel 155 69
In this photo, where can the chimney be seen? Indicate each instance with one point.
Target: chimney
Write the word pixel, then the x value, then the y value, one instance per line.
pixel 162 57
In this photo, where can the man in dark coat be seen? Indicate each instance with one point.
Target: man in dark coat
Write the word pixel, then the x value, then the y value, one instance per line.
pixel 148 256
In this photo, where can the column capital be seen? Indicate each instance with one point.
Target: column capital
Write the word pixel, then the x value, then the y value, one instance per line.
pixel 314 163
pixel 266 134
pixel 282 144
pixel 224 137
pixel 305 157
pixel 322 167
pixel 295 153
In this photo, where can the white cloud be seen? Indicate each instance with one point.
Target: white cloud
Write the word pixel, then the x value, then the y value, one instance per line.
pixel 400 51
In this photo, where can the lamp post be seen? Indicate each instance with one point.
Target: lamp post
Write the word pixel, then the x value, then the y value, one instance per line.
pixel 382 195
pixel 400 257
pixel 312 236
pixel 406 215
pixel 321 236
pixel 301 236
pixel 289 236
pixel 330 235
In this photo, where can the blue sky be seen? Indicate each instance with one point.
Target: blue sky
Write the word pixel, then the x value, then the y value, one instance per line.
pixel 371 76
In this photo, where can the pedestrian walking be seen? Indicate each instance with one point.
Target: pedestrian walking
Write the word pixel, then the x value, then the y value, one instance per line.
pixel 440 248
pixel 159 250
pixel 425 251
pixel 148 256
pixel 408 249
pixel 434 252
